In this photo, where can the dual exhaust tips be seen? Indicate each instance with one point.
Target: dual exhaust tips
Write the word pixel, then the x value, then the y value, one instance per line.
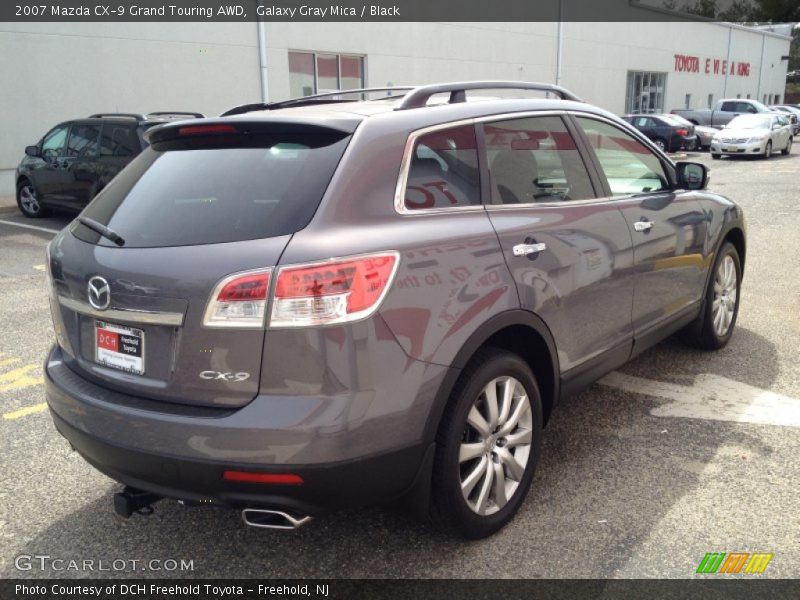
pixel 130 501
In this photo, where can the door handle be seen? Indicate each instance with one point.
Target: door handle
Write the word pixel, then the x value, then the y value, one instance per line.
pixel 643 226
pixel 528 249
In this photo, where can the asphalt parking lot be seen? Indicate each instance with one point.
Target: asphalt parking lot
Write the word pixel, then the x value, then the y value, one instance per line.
pixel 679 454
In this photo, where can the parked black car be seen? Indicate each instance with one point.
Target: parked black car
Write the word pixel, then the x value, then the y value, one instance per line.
pixel 76 159
pixel 667 133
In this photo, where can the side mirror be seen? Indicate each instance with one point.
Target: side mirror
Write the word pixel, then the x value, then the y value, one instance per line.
pixel 692 176
pixel 33 151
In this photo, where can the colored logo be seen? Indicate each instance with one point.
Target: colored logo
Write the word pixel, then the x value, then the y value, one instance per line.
pixel 734 562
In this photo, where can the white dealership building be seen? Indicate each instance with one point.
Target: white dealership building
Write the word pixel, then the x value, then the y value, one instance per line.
pixel 52 72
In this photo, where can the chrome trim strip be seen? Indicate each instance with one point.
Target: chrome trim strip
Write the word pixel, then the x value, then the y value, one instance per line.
pixel 125 315
pixel 405 166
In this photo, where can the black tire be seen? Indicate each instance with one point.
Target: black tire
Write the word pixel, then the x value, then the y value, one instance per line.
pixel 767 150
pixel 28 202
pixel 449 510
pixel 716 156
pixel 788 150
pixel 701 332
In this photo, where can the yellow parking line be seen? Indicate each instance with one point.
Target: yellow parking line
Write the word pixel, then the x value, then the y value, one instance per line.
pixel 8 361
pixel 23 412
pixel 39 267
pixel 17 379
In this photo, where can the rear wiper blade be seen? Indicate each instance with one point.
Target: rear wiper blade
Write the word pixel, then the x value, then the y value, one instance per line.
pixel 107 233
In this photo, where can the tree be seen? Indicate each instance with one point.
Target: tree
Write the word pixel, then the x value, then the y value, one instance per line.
pixel 702 8
pixel 775 11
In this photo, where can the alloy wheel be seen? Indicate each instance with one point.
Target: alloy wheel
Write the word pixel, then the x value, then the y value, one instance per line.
pixel 496 445
pixel 28 200
pixel 725 292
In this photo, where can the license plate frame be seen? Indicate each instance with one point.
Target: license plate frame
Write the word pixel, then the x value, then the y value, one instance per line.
pixel 119 347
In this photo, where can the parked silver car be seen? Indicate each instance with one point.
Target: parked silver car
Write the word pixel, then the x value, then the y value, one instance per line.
pixel 760 135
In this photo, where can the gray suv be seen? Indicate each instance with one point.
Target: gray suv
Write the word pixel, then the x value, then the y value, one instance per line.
pixel 321 303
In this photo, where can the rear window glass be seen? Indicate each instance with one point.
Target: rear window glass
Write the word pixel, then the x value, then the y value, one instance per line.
pixel 200 195
pixel 444 170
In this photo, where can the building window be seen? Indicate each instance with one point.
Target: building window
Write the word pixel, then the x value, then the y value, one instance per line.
pixel 777 99
pixel 316 73
pixel 765 99
pixel 711 101
pixel 738 96
pixel 645 92
pixel 748 96
pixel 688 102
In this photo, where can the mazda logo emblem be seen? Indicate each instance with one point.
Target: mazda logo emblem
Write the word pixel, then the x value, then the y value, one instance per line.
pixel 99 293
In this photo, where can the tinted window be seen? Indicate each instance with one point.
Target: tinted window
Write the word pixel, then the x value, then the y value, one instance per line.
pixel 629 166
pixel 53 143
pixel 200 195
pixel 534 160
pixel 730 107
pixel 444 170
pixel 83 138
pixel 119 140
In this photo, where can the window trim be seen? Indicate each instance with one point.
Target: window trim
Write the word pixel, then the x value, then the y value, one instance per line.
pixel 405 167
pixel 599 181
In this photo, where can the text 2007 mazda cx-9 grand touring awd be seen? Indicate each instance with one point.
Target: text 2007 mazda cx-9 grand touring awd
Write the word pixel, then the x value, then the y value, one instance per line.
pixel 318 304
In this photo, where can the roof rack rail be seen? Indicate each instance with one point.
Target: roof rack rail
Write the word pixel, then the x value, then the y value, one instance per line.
pixel 177 113
pixel 324 98
pixel 137 116
pixel 419 96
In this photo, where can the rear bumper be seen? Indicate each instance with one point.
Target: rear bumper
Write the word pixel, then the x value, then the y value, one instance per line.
pixel 325 487
pixel 122 437
pixel 733 149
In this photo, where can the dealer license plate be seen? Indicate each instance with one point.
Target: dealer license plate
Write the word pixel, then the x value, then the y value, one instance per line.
pixel 119 347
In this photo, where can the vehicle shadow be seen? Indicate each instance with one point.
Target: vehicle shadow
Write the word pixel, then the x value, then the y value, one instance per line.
pixel 610 471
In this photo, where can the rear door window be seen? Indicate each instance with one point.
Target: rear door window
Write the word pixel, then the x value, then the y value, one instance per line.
pixel 119 140
pixel 444 170
pixel 83 140
pixel 534 160
pixel 248 189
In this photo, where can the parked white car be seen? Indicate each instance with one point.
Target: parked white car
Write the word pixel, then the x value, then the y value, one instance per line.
pixel 760 134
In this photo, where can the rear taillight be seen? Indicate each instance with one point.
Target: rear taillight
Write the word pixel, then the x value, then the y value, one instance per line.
pixel 239 300
pixel 335 291
pixel 683 132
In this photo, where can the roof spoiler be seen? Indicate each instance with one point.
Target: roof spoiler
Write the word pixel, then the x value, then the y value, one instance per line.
pixel 324 98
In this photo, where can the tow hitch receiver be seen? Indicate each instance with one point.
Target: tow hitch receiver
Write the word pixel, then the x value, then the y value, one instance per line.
pixel 130 500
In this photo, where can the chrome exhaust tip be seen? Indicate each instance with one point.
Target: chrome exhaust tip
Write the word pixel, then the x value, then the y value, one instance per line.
pixel 272 519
